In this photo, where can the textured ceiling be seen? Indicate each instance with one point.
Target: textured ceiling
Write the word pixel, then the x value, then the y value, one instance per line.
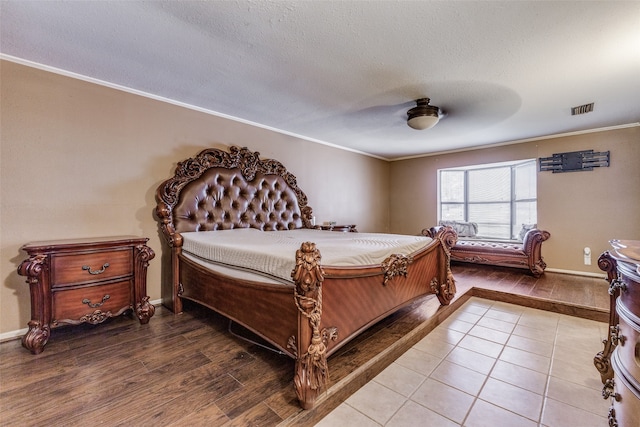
pixel 346 72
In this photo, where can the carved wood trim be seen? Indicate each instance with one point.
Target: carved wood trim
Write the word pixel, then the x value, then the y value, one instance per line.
pixel 97 317
pixel 602 359
pixel 143 309
pixel 311 371
pixel 448 239
pixel 36 337
pixel 395 265
pixel 248 162
pixel 613 422
pixel 36 268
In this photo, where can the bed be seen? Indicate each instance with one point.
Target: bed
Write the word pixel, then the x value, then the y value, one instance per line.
pixel 318 307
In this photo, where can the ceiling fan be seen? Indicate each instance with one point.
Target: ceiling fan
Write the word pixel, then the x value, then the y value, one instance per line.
pixel 423 116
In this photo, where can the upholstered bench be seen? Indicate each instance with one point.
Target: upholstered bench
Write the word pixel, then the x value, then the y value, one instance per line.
pixel 526 254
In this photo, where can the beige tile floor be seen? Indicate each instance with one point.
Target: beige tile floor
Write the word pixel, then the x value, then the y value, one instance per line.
pixel 489 364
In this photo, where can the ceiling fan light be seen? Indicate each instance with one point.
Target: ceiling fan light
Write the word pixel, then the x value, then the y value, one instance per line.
pixel 423 122
pixel 423 116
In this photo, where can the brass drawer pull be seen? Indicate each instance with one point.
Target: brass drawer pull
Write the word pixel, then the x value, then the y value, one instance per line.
pixel 88 268
pixel 97 304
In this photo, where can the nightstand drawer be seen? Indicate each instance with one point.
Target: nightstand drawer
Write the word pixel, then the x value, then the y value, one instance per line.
pixel 88 267
pixel 92 304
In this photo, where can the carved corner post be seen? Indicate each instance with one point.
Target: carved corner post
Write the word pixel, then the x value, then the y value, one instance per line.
pixel 447 237
pixel 36 268
pixel 532 246
pixel 164 213
pixel 310 347
pixel 176 287
pixel 602 359
pixel 307 217
pixel 143 309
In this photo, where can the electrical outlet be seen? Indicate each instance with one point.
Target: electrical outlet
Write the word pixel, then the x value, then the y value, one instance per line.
pixel 587 256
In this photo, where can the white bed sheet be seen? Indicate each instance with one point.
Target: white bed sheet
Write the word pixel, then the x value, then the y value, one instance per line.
pixel 272 253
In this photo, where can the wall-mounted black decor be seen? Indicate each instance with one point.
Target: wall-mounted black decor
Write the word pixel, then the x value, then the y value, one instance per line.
pixel 574 161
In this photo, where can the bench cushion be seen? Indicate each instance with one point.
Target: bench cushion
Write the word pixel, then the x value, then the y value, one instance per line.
pixel 514 248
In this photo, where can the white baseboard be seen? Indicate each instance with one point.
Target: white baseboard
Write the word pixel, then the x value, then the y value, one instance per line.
pixel 11 335
pixel 577 273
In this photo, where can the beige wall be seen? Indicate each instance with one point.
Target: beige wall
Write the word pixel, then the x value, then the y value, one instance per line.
pixel 579 209
pixel 83 160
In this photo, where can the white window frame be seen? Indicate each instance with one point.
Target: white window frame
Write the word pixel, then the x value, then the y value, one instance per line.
pixel 512 202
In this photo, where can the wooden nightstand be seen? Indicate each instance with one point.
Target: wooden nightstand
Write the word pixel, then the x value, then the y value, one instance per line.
pixel 84 281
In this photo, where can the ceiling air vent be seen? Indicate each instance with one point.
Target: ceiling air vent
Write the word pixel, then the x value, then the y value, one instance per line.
pixel 582 109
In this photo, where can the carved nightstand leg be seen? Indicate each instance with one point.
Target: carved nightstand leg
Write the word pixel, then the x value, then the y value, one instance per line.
pixel 35 269
pixel 145 310
pixel 36 338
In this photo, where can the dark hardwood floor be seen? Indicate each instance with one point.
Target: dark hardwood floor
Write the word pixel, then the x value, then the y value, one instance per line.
pixel 189 370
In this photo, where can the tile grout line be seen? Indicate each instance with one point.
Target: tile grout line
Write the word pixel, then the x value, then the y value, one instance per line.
pixel 477 395
pixel 488 376
pixel 496 359
pixel 545 396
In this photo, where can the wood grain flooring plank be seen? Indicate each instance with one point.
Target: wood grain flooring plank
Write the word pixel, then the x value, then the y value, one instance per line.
pixel 99 398
pixel 207 415
pixel 256 416
pixel 195 394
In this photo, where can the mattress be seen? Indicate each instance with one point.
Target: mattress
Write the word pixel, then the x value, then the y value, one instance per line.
pixel 272 253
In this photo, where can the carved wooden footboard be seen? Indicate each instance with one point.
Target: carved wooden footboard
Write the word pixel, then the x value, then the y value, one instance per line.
pixel 355 300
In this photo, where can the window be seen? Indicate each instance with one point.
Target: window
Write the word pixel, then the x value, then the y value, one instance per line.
pixel 500 197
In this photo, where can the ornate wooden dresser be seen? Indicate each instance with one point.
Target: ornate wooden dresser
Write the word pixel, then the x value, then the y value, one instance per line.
pixel 619 362
pixel 84 281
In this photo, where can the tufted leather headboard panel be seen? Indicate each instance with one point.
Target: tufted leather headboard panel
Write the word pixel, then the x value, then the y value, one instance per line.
pixel 222 199
pixel 219 190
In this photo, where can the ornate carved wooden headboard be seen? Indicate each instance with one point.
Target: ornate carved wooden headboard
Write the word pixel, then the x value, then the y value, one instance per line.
pixel 219 190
